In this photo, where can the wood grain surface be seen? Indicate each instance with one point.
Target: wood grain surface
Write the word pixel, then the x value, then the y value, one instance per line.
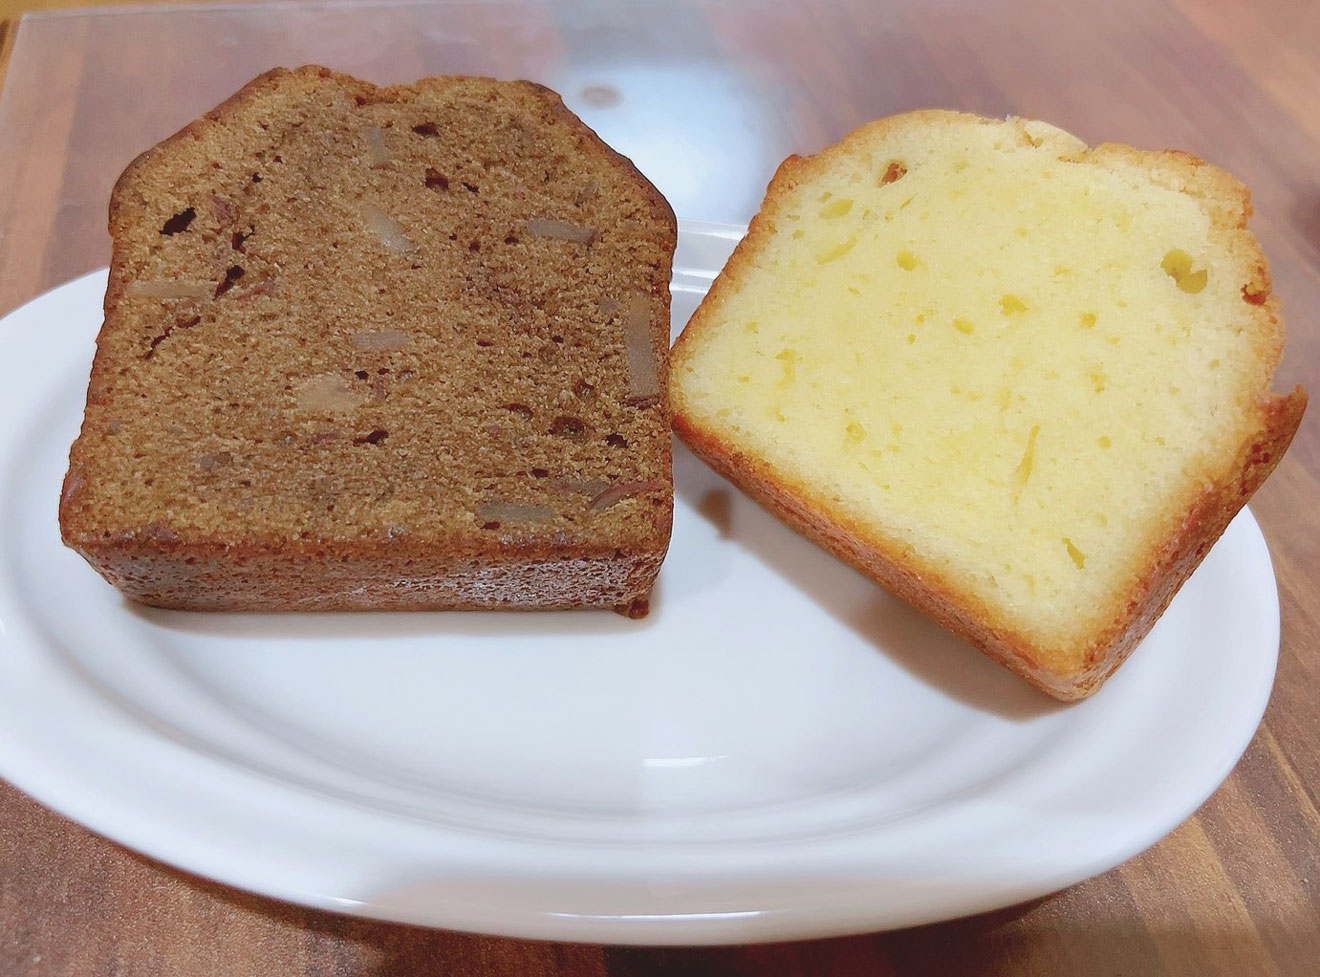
pixel 1235 890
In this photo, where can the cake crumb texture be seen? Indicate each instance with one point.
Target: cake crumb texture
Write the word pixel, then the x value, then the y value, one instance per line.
pixel 1022 383
pixel 380 347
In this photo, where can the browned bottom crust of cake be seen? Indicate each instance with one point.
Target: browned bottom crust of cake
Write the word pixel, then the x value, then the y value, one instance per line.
pixel 903 573
pixel 154 569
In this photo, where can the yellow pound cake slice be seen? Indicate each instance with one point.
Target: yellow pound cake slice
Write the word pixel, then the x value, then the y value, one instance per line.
pixel 1021 383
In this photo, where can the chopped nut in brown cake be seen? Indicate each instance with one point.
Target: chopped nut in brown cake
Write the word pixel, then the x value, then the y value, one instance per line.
pixel 380 348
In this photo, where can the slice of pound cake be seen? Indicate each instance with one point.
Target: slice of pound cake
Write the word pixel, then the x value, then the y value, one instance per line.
pixel 1021 383
pixel 371 347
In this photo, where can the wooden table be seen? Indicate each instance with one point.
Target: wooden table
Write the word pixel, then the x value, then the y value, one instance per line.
pixel 708 97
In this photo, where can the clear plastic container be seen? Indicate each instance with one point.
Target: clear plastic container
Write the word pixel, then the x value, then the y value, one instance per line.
pixel 683 89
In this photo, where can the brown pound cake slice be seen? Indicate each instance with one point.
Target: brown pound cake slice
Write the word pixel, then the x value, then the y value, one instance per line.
pixel 370 347
pixel 1021 383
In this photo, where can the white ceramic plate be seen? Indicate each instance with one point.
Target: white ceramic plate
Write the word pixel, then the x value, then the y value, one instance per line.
pixel 780 750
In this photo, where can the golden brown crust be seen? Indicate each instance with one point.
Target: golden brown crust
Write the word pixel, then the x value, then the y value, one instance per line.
pixel 242 570
pixel 906 573
pixel 1202 526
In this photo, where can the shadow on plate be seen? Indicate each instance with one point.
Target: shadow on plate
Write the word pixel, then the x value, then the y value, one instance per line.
pixel 924 649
